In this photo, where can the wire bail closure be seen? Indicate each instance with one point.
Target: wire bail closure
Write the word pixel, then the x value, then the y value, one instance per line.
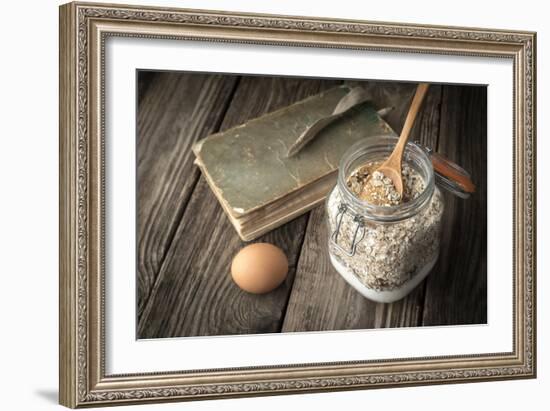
pixel 448 175
pixel 360 228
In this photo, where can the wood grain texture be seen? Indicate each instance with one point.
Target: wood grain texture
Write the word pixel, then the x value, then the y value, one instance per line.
pixel 175 111
pixel 456 291
pixel 396 96
pixel 187 243
pixel 144 80
pixel 194 294
pixel 320 298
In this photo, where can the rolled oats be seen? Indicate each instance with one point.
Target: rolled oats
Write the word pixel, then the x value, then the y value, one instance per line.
pixel 390 253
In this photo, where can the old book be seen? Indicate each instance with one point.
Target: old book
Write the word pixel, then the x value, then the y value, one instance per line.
pixel 258 185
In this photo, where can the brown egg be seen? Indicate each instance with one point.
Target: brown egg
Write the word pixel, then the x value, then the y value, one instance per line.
pixel 259 268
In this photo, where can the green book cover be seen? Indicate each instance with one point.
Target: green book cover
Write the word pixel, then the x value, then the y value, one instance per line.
pixel 247 166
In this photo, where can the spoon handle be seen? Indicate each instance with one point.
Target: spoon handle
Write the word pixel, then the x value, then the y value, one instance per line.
pixel 418 98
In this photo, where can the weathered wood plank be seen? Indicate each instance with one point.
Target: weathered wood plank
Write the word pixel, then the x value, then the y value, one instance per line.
pixel 194 293
pixel 386 94
pixel 174 111
pixel 144 79
pixel 456 290
pixel 320 298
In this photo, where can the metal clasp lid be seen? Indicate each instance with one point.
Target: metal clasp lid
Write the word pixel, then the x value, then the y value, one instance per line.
pixel 359 228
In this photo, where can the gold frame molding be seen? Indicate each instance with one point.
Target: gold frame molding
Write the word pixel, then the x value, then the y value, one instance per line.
pixel 84 28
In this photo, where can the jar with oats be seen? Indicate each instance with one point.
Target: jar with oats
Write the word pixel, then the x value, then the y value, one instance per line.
pixel 384 246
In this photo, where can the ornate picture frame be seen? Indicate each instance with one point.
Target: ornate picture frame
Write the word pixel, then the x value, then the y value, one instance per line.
pixel 84 28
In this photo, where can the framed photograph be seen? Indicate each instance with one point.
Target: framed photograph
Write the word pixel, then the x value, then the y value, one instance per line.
pixel 260 204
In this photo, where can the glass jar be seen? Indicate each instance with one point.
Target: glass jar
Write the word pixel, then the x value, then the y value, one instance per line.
pixel 384 252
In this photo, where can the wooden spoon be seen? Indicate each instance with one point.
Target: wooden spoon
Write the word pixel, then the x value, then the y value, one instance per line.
pixel 391 168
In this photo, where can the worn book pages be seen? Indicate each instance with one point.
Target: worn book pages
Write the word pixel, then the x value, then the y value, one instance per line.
pixel 258 186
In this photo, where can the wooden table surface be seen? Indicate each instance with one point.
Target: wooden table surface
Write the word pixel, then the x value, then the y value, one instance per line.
pixel 186 243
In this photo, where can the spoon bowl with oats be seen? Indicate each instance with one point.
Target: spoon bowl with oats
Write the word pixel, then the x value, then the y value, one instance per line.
pixel 391 168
